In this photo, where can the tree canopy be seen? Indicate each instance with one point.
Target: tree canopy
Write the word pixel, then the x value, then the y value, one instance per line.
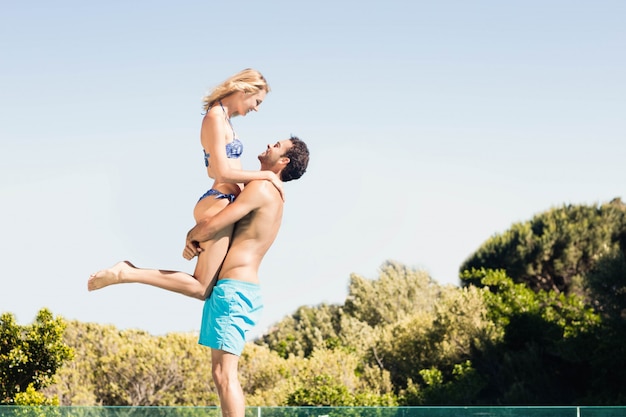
pixel 539 320
pixel 30 356
pixel 556 249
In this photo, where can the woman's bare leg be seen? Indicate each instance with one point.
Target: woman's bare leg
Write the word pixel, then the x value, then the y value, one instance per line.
pixel 125 272
pixel 199 285
pixel 210 260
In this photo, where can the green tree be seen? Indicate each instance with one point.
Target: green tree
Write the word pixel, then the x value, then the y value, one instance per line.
pixel 75 383
pixel 607 286
pixel 266 377
pixel 545 341
pixel 429 353
pixel 339 378
pixel 398 292
pixel 402 325
pixel 556 249
pixel 148 370
pixel 32 397
pixel 462 387
pixel 371 305
pixel 321 390
pixel 555 347
pixel 606 283
pixel 30 356
pixel 132 367
pixel 306 330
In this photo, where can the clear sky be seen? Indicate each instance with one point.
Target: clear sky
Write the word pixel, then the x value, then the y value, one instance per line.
pixel 432 126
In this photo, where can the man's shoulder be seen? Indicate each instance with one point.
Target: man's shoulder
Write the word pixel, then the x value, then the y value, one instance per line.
pixel 261 189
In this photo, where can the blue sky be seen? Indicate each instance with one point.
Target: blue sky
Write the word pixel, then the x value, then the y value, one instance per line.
pixel 432 126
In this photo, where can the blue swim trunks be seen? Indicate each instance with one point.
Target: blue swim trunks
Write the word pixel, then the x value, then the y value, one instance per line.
pixel 231 311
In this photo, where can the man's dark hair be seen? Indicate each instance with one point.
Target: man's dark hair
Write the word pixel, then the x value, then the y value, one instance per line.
pixel 298 160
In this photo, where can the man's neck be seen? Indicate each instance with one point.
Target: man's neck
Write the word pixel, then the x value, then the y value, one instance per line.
pixel 274 170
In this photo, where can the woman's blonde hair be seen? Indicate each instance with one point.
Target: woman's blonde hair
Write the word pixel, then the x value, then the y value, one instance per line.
pixel 247 81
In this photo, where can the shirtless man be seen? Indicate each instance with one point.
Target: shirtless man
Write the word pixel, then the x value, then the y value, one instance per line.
pixel 235 304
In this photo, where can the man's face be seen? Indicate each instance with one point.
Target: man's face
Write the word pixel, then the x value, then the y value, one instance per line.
pixel 274 153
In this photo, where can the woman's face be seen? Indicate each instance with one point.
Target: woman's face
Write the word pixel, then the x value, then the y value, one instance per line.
pixel 250 102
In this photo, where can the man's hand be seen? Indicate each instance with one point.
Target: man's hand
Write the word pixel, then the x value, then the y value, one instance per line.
pixel 192 249
pixel 192 246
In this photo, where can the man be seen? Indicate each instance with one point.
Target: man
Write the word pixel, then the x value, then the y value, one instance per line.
pixel 235 303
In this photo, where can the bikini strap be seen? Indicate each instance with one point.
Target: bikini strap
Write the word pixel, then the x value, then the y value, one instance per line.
pixel 228 118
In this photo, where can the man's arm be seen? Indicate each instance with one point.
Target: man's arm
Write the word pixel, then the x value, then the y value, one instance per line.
pixel 251 198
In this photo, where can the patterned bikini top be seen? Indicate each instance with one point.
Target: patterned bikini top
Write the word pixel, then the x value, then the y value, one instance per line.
pixel 234 149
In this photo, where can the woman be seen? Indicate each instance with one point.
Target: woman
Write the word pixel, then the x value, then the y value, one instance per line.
pixel 237 96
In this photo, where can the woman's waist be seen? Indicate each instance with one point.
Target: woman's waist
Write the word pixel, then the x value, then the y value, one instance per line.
pixel 227 188
pixel 234 164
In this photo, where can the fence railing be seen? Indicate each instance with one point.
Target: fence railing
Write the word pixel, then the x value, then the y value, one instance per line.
pixel 37 411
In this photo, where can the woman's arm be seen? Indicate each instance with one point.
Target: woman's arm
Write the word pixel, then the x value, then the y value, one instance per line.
pixel 213 137
pixel 249 200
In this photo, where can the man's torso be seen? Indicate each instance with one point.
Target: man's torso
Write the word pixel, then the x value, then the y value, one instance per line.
pixel 254 234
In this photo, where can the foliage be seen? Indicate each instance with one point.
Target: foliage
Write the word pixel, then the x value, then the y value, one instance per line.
pixel 338 378
pixel 399 324
pixel 397 293
pixel 547 327
pixel 30 396
pixel 321 390
pixel 546 338
pixel 370 306
pixel 607 284
pixel 265 376
pixel 507 300
pixel 556 249
pixel 424 352
pixel 146 370
pixel 132 367
pixel 463 387
pixel 297 380
pixel 558 348
pixel 308 329
pixel 30 356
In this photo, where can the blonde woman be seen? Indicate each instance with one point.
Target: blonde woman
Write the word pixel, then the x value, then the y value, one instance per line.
pixel 236 96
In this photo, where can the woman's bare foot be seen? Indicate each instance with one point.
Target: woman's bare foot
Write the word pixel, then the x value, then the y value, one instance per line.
pixel 109 276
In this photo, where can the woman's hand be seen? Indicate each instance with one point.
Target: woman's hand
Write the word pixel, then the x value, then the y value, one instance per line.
pixel 276 182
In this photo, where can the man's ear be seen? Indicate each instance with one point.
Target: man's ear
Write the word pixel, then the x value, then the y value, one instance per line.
pixel 285 160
